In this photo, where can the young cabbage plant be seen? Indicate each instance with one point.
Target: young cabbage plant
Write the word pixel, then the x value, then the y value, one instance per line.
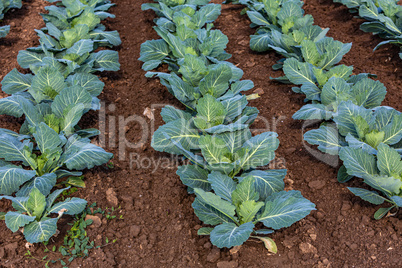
pixel 359 128
pixel 383 18
pixel 364 92
pixel 72 33
pixel 382 172
pixel 185 30
pixel 237 206
pixel 33 213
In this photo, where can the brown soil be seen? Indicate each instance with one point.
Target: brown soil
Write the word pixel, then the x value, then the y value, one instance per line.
pixel 159 226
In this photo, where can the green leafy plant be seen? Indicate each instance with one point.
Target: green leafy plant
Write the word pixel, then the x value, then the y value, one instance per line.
pixel 361 128
pixel 50 146
pixel 33 214
pixel 384 17
pixel 213 132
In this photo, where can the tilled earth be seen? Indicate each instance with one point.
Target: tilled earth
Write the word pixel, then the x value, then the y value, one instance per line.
pixel 159 227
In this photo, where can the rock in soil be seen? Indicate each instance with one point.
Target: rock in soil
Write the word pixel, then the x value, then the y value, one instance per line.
pixel 111 197
pixel 96 221
pixel 307 248
pixel 214 255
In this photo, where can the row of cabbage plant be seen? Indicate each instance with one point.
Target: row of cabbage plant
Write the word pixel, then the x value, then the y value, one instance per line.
pixel 235 198
pixel 53 97
pixel 365 135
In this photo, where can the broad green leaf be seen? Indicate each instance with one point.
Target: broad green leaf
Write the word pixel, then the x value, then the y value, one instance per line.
pixel 313 111
pixel 81 47
pixel 369 196
pixel 357 162
pixel 397 200
pixel 326 137
pixel 393 131
pixel 384 116
pixel 335 91
pixel 44 184
pixel 47 84
pixel 81 154
pixel 310 52
pixel 176 45
pixel 71 116
pixel 193 69
pixel 210 112
pixel 259 150
pixel 12 177
pixel 53 196
pixel 106 60
pixel 245 191
pixel 332 52
pixel 15 82
pixel 229 234
pixel 112 37
pixel 211 11
pixel 91 83
pixel 366 147
pixel 11 106
pixel 180 131
pixel 235 139
pixel 71 96
pixel 299 73
pixel 211 209
pixel 40 231
pixel 240 86
pixel 15 220
pixel 47 139
pixel 11 149
pixel 194 176
pixel 222 185
pixel 234 106
pixel 282 209
pixel 347 116
pixel 170 113
pixel 71 205
pixel 267 182
pixel 389 161
pixel 154 50
pixel 217 81
pixel 387 185
pixel 36 203
pixel 369 93
pixel 26 58
pixel 31 112
pixel 248 209
pixel 214 150
pixel 260 43
pixel 257 18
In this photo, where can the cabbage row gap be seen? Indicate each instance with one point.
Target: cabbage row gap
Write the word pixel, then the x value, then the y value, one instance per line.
pixel 60 89
pixel 234 198
pixel 365 135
